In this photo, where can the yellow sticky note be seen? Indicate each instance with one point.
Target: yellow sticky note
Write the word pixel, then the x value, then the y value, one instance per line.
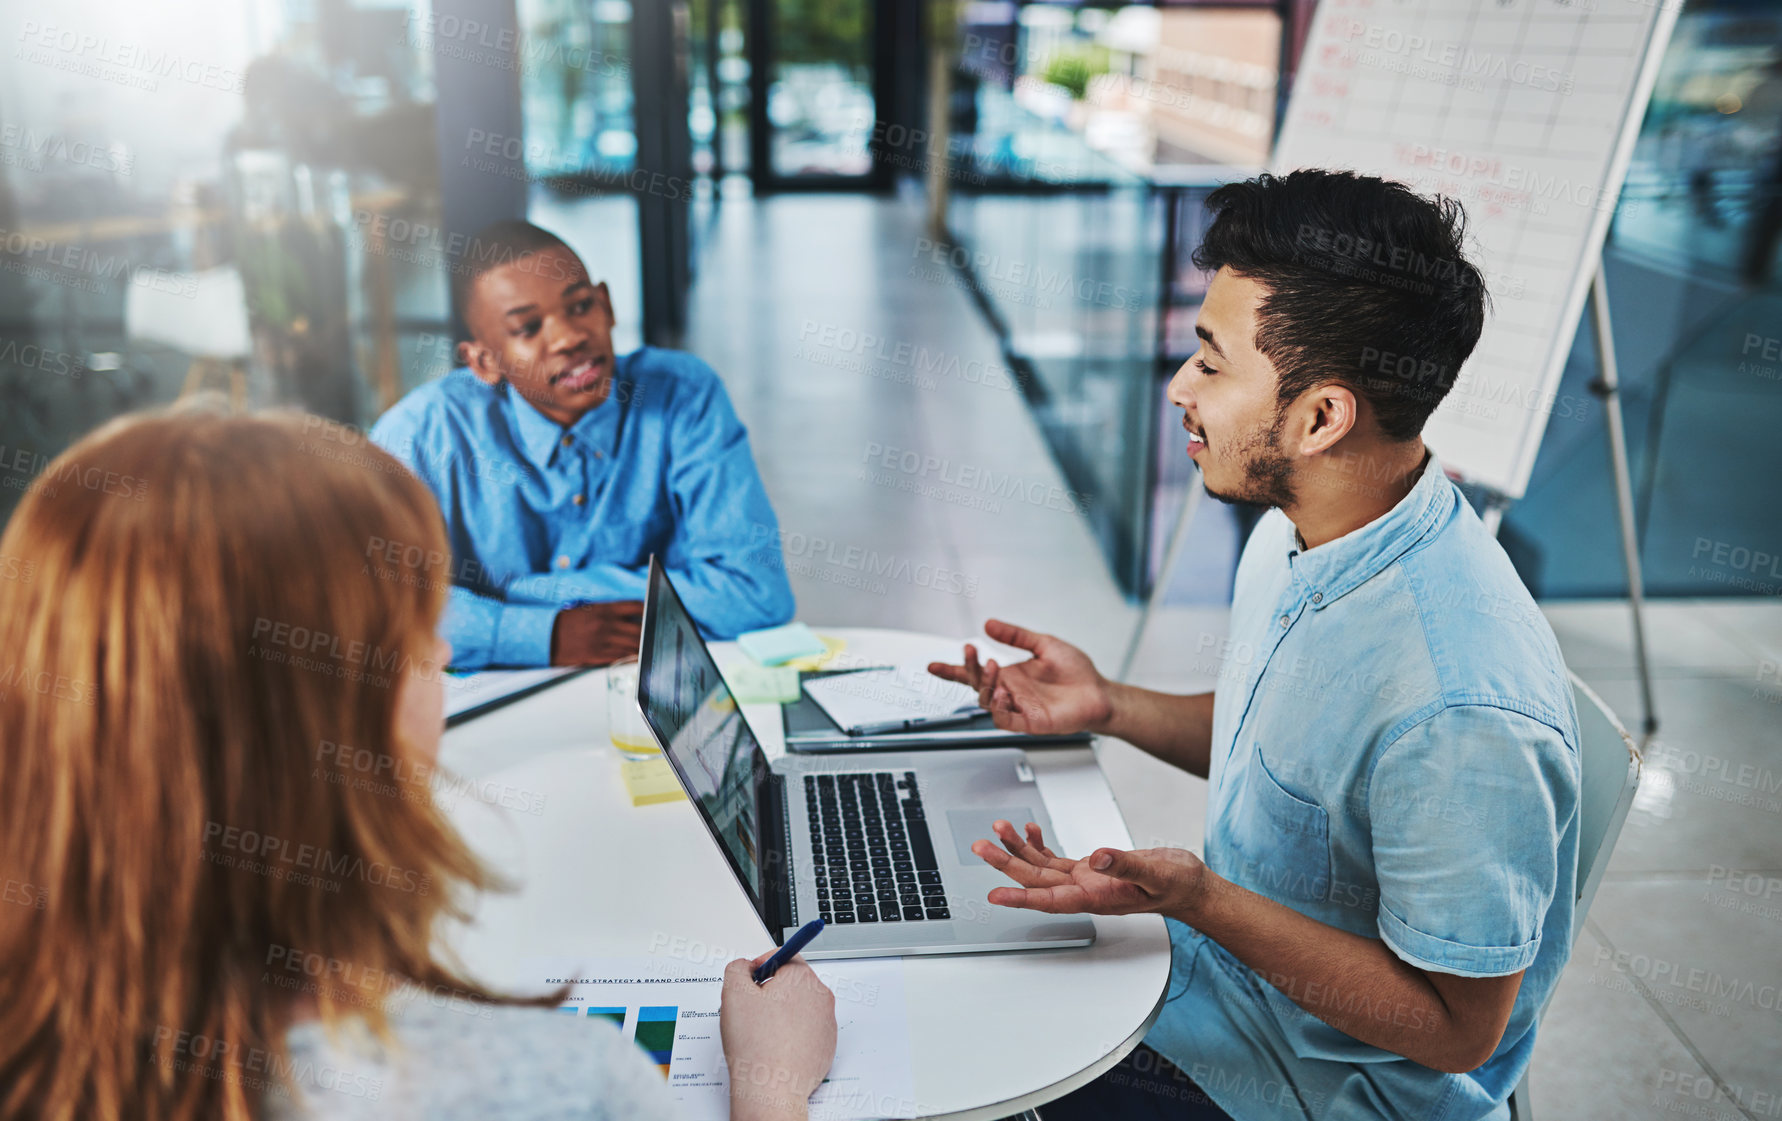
pixel 831 647
pixel 649 781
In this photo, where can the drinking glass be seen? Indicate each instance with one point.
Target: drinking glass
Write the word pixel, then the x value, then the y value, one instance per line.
pixel 624 721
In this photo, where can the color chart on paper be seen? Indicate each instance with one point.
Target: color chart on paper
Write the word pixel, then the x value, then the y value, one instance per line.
pixel 650 1026
pixel 616 1015
pixel 669 1009
pixel 655 1033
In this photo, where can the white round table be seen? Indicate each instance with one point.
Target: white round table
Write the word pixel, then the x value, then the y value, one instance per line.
pixel 990 1034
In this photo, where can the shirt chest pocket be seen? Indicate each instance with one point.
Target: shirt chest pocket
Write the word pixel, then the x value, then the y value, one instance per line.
pixel 1281 839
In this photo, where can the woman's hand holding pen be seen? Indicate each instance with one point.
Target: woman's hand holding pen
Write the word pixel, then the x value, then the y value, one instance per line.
pixel 779 1038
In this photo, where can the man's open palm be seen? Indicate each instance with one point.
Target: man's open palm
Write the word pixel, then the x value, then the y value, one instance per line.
pixel 1146 880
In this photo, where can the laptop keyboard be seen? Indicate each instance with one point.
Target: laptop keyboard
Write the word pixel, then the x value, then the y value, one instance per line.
pixel 869 843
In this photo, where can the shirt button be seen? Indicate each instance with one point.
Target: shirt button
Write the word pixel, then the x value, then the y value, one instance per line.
pixel 566 441
pixel 1317 597
pixel 1283 620
pixel 599 455
pixel 562 562
pixel 579 499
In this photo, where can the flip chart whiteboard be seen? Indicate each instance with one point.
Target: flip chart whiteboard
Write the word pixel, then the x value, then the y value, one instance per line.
pixel 1526 111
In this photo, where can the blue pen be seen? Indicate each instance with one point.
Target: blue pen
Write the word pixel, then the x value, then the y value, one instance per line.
pixel 787 952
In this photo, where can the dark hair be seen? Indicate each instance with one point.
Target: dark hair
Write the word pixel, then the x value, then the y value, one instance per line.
pixel 496 244
pixel 1367 286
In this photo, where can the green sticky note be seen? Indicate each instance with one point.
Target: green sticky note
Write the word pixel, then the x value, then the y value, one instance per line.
pixel 756 684
pixel 775 646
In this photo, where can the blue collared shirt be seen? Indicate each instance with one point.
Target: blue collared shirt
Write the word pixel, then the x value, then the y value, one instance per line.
pixel 541 517
pixel 1394 754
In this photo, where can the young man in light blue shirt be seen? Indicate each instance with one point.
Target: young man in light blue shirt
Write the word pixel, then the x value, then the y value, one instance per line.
pixel 1386 897
pixel 561 467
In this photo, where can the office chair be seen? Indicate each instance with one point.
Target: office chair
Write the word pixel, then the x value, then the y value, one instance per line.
pixel 1611 772
pixel 204 314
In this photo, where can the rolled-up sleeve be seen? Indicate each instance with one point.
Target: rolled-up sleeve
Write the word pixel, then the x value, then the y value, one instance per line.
pixel 1467 810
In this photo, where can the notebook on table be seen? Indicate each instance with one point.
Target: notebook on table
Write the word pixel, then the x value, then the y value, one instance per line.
pixel 820 721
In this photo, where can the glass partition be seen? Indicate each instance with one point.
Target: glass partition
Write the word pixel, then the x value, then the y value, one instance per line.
pixel 210 195
pixel 1086 143
pixel 1071 279
pixel 821 87
pixel 575 87
pixel 577 110
pixel 1703 169
pixel 1695 290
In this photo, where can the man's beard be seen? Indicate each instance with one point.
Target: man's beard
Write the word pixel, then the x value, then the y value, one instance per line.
pixel 1268 471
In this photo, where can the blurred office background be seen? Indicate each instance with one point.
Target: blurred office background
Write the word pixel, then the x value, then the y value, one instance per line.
pixel 262 198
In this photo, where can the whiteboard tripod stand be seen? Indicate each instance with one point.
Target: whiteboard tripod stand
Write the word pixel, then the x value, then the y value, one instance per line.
pixel 1606 387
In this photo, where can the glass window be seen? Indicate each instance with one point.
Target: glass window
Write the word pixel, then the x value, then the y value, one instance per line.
pixel 1704 167
pixel 821 88
pixel 575 86
pixel 212 195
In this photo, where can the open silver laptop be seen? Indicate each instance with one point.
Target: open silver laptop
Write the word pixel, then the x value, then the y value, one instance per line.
pixel 876 844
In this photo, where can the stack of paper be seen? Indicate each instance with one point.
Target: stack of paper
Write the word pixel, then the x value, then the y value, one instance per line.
pixel 874 697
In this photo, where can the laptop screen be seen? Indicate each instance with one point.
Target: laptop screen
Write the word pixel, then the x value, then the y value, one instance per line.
pixel 701 730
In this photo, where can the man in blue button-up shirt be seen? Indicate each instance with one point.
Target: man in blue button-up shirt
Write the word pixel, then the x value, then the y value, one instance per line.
pixel 1391 847
pixel 561 467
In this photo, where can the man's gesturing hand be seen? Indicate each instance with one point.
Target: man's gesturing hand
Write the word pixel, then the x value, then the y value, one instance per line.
pixel 1109 882
pixel 1055 692
pixel 596 634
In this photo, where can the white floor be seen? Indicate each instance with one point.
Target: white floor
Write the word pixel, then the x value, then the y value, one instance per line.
pixel 1689 1023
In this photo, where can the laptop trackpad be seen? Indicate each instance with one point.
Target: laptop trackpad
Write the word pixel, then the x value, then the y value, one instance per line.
pixel 974 824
